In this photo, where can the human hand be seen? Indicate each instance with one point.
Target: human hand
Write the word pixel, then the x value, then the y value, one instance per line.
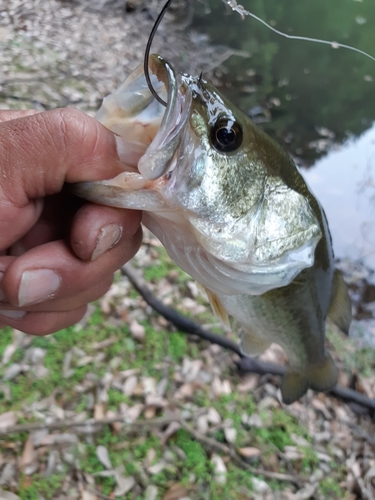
pixel 56 253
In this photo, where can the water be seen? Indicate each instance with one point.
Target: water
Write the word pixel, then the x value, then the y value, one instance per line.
pixel 317 101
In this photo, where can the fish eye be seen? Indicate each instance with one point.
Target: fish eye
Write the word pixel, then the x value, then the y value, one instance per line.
pixel 226 136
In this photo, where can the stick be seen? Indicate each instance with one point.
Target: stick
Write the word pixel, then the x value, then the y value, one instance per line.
pixel 212 443
pixel 245 364
pixel 67 424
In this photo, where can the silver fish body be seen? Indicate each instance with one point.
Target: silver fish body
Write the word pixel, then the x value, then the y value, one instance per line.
pixel 232 210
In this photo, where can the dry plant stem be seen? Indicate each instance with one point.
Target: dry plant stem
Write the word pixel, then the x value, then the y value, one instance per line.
pixel 156 422
pixel 212 443
pixel 246 364
pixel 91 423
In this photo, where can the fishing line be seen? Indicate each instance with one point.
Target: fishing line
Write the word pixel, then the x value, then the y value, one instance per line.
pixel 147 52
pixel 335 45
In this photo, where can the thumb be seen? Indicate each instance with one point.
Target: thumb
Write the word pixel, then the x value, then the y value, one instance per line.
pixel 38 153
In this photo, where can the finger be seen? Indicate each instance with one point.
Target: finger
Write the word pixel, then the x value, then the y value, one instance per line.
pixel 38 153
pixel 52 271
pixel 13 114
pixel 60 304
pixel 96 229
pixel 44 323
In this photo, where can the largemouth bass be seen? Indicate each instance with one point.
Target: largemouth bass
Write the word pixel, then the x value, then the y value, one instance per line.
pixel 233 211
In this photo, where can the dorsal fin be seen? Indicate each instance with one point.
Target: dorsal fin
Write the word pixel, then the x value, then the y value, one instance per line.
pixel 340 308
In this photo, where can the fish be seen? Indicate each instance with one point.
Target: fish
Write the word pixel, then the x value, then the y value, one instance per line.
pixel 234 212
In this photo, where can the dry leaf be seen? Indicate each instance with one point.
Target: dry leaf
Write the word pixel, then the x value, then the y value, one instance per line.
pixel 7 495
pixel 172 428
pixel 129 385
pixel 176 492
pixel 7 419
pixel 151 492
pixel 137 330
pixel 220 469
pixel 28 454
pixel 230 434
pixel 124 484
pixel 99 411
pixel 213 416
pixel 249 452
pixel 158 467
pixel 103 456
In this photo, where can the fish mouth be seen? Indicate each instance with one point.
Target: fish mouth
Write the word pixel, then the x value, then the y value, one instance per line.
pixel 147 135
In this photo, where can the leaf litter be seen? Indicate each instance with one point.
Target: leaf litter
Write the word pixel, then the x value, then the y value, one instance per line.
pixel 140 410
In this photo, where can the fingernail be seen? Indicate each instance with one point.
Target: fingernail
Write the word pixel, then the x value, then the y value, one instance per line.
pixel 108 237
pixel 2 296
pixel 13 314
pixel 37 285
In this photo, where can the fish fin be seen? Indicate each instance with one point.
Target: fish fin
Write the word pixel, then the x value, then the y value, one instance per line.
pixel 321 377
pixel 293 387
pixel 218 309
pixel 340 308
pixel 251 344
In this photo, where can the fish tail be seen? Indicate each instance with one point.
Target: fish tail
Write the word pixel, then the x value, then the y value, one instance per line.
pixel 321 377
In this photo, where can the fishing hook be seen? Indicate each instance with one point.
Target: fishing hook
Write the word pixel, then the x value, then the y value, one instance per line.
pixel 147 52
pixel 200 79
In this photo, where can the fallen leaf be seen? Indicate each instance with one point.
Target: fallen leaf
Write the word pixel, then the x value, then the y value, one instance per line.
pixel 7 495
pixel 220 469
pixel 124 483
pixel 129 385
pixel 151 492
pixel 249 452
pixel 99 411
pixel 137 330
pixel 176 492
pixel 7 419
pixel 158 467
pixel 230 434
pixel 28 454
pixel 103 456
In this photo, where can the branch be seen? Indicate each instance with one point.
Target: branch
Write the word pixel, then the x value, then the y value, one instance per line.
pixel 245 364
pixel 34 102
pixel 212 443
pixel 67 424
pixel 156 422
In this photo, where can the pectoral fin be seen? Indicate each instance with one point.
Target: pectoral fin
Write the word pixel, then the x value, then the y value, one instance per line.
pixel 320 377
pixel 218 309
pixel 340 308
pixel 251 344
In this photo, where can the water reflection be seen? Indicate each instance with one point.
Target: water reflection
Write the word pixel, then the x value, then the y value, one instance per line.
pixel 344 182
pixel 311 98
pixel 297 88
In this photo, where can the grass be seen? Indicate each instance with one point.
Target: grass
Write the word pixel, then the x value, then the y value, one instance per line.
pixel 130 449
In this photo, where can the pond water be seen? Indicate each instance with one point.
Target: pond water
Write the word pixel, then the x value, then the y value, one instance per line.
pixel 317 101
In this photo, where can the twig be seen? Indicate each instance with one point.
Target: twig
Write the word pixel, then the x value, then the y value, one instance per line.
pixel 245 364
pixel 209 442
pixel 178 320
pixel 212 443
pixel 66 424
pixel 34 102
